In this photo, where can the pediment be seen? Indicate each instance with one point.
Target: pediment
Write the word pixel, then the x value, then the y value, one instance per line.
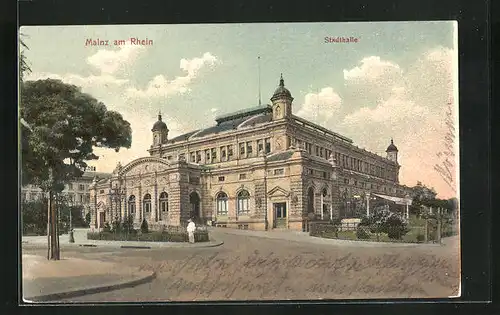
pixel 146 165
pixel 278 192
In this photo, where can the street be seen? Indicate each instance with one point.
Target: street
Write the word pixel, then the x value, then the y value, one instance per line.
pixel 250 267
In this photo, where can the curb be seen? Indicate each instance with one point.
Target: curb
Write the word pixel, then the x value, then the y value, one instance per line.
pixel 174 245
pixel 92 290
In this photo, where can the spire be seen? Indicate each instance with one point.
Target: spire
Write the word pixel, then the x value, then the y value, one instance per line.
pixel 282 82
pixel 260 101
pixel 159 115
pixel 392 141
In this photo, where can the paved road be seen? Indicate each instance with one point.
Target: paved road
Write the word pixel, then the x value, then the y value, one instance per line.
pixel 261 268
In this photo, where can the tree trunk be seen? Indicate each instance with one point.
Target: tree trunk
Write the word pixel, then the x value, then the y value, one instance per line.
pixel 53 229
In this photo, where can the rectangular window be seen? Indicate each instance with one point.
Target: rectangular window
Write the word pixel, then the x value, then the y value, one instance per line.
pixel 214 155
pixel 223 152
pixel 267 145
pixel 169 157
pixel 355 183
pixel 101 191
pixel 243 176
pixel 249 148
pixel 279 171
pixel 70 186
pixel 346 181
pixel 222 178
pixel 310 148
pixel 198 156
pixel 260 146
pixel 324 175
pixel 207 156
pixel 242 149
pixel 317 151
pixel 229 151
pixel 81 187
pixel 192 157
pixel 311 172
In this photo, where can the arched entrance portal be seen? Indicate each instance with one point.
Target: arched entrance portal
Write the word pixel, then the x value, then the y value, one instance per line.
pixel 310 200
pixel 194 201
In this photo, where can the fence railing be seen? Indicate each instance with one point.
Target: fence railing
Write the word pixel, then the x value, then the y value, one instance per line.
pixel 380 233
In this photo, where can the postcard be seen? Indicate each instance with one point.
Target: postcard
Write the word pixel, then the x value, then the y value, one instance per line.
pixel 236 162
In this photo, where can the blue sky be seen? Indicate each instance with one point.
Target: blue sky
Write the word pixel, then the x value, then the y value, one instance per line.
pixel 394 82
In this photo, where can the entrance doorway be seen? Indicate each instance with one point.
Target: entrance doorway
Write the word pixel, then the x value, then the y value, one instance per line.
pixel 280 214
pixel 102 218
pixel 194 201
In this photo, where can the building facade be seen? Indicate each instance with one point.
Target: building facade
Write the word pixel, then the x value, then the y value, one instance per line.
pixel 259 168
pixel 76 192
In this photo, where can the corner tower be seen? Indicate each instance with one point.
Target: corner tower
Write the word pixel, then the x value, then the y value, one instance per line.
pixel 160 132
pixel 282 101
pixel 392 152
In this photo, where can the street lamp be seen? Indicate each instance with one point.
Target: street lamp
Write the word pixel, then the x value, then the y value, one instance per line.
pixel 118 196
pixel 71 235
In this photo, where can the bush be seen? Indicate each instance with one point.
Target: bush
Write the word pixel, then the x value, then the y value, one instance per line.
pixel 156 236
pixel 395 227
pixel 420 238
pixel 144 226
pixel 361 233
pixel 88 219
pixel 117 226
pixel 107 227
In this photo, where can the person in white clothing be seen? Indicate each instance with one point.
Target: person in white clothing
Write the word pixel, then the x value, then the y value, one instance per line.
pixel 191 227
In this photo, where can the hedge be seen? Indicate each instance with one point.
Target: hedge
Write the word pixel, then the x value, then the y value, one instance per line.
pixel 199 236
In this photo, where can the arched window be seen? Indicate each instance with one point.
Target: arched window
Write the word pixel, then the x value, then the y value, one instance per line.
pixel 222 203
pixel 310 200
pixel 163 204
pixel 147 203
pixel 243 198
pixel 131 205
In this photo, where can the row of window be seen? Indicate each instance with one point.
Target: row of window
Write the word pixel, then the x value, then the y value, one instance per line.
pixel 343 160
pixel 146 204
pixel 81 187
pixel 372 186
pixel 226 153
pixel 242 203
pixel 71 198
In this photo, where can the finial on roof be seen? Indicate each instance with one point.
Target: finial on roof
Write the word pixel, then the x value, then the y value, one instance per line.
pixel 159 115
pixel 392 141
pixel 282 82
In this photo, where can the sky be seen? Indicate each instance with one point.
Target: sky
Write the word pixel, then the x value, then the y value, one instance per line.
pixel 396 80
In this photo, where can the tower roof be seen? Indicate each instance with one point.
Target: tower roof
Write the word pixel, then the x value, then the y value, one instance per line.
pixel 281 91
pixel 391 147
pixel 159 125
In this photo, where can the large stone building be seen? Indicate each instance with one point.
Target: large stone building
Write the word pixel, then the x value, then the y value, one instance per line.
pixel 76 191
pixel 258 168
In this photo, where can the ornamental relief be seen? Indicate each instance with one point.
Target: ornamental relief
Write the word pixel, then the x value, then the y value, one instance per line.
pixel 145 169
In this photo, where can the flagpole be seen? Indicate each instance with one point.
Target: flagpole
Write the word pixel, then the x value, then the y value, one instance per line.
pixel 260 101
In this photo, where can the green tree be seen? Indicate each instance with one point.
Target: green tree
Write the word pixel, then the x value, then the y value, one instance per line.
pixel 23 62
pixel 66 125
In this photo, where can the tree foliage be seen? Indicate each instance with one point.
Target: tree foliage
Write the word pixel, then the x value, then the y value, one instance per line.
pixel 425 196
pixel 23 63
pixel 66 125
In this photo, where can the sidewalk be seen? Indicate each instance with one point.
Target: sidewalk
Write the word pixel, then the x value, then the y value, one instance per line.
pixel 80 236
pixel 304 237
pixel 48 281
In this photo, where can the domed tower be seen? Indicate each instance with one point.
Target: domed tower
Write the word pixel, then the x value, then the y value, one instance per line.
pixel 282 101
pixel 392 152
pixel 160 132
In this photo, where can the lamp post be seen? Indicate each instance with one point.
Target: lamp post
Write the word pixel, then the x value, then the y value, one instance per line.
pixel 118 196
pixel 71 235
